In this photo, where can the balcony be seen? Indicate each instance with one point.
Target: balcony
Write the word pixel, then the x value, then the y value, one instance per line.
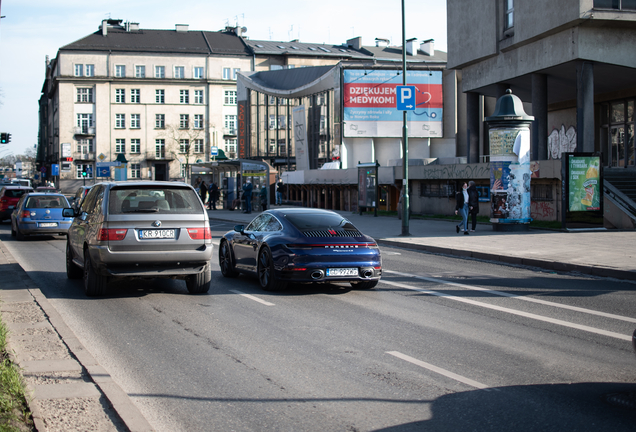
pixel 81 156
pixel 84 131
pixel 160 155
pixel 229 131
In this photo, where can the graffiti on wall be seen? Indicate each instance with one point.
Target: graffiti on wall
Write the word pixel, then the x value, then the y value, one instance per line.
pixel 561 141
pixel 542 210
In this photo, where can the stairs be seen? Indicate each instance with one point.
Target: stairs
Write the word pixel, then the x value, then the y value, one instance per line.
pixel 619 188
pixel 622 179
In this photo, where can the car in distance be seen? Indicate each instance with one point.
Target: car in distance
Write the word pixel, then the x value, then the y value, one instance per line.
pixel 40 213
pixel 46 189
pixel 300 245
pixel 9 196
pixel 139 230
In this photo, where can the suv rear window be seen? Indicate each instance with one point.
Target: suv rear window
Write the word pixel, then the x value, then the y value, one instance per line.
pixel 153 200
pixel 305 221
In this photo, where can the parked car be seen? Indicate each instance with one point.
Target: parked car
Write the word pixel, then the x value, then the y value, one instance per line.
pixel 46 189
pixel 9 196
pixel 139 230
pixel 40 213
pixel 303 245
pixel 81 192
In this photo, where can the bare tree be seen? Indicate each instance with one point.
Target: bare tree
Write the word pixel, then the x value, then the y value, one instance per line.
pixel 185 141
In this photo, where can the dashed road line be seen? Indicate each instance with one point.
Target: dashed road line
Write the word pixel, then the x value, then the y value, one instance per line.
pixel 251 297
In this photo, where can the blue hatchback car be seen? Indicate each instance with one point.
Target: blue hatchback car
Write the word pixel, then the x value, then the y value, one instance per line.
pixel 40 213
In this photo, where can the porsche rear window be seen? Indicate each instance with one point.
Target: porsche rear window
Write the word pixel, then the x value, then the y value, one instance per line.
pixel 305 221
pixel 153 200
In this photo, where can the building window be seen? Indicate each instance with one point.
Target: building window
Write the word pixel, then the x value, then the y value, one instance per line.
pixel 198 121
pixel 90 70
pixel 160 71
pixel 84 121
pixel 179 72
pixel 160 121
pixel 230 97
pixel 509 18
pixel 198 146
pixel 617 133
pixel 120 121
pixel 79 70
pixel 281 121
pixel 184 96
pixel 272 121
pixel 120 145
pixel 135 171
pixel 135 95
pixel 120 95
pixel 83 167
pixel 272 147
pixel 120 71
pixel 184 146
pixel 198 73
pixel 235 72
pixel 198 96
pixel 184 121
pixel 160 96
pixel 135 121
pixel 230 124
pixel 226 73
pixel 230 147
pixel 615 4
pixel 160 148
pixel 85 145
pixel 140 71
pixel 135 145
pixel 85 95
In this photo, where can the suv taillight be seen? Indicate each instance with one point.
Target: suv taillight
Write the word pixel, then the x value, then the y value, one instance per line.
pixel 112 234
pixel 200 233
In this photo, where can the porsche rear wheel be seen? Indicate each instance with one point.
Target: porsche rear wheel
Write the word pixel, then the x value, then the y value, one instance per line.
pixel 266 276
pixel 225 261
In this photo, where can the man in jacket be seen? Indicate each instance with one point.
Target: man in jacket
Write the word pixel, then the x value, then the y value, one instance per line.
pixel 247 193
pixel 473 204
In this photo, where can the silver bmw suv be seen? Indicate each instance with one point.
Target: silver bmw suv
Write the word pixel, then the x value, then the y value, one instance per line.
pixel 139 230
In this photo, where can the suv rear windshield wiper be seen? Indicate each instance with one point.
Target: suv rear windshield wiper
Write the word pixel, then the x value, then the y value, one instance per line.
pixel 148 210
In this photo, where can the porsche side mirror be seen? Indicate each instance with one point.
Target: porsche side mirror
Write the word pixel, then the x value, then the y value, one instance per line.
pixel 239 228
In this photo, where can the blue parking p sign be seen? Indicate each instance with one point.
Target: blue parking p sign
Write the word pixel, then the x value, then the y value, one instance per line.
pixel 405 100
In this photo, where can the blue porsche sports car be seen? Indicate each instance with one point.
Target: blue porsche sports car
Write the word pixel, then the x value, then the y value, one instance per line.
pixel 40 213
pixel 301 245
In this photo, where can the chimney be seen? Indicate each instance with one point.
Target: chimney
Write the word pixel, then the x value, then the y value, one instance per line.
pixel 379 42
pixel 104 27
pixel 411 47
pixel 182 27
pixel 133 26
pixel 238 30
pixel 428 47
pixel 355 43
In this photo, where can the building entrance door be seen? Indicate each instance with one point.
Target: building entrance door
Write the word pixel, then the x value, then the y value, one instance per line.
pixel 161 172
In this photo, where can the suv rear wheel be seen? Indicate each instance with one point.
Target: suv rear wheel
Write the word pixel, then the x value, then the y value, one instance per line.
pixel 72 270
pixel 94 284
pixel 199 283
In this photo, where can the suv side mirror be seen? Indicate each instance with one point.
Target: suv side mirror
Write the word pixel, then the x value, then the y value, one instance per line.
pixel 68 212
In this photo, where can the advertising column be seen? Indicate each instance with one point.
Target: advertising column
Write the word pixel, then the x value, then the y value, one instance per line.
pixel 509 138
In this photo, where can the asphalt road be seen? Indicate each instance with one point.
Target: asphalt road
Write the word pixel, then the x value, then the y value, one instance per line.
pixel 443 344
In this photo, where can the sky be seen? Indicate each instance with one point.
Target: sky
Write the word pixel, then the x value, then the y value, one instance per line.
pixel 32 29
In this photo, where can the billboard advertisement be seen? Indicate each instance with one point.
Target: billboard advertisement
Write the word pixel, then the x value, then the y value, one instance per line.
pixel 584 181
pixel 369 104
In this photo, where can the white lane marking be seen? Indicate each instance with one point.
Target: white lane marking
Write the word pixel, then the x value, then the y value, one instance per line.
pixel 251 297
pixel 514 312
pixel 517 296
pixel 438 370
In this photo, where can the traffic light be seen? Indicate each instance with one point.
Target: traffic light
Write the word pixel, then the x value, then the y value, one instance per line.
pixel 5 138
pixel 84 173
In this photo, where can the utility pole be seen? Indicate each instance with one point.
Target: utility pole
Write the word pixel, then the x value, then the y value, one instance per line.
pixel 405 141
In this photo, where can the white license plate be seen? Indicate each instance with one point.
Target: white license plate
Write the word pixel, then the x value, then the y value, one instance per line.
pixel 48 224
pixel 156 234
pixel 342 272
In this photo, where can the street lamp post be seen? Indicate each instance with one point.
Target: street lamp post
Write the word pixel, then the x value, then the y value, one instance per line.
pixel 405 141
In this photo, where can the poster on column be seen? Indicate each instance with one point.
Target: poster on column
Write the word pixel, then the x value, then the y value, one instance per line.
pixel 369 103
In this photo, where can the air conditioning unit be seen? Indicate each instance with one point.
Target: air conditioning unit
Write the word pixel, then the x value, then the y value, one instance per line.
pixel 78 130
pixel 91 130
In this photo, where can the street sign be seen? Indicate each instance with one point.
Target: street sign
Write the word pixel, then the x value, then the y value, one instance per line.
pixel 108 164
pixel 43 169
pixel 55 170
pixel 405 100
pixel 214 151
pixel 103 171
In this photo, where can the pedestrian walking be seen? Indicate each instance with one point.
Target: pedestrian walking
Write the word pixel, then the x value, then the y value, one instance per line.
pixel 279 192
pixel 214 196
pixel 473 204
pixel 247 194
pixel 203 191
pixel 263 197
pixel 461 200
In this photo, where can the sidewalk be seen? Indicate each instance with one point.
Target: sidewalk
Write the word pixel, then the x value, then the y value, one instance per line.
pixel 599 253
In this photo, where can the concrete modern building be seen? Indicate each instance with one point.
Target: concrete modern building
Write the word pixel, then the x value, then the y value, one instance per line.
pixel 572 62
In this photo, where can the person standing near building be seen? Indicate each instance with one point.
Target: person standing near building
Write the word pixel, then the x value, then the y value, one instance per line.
pixel 461 199
pixel 203 191
pixel 263 197
pixel 214 196
pixel 473 204
pixel 247 193
pixel 279 192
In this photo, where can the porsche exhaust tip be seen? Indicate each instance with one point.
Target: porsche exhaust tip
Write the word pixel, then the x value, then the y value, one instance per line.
pixel 317 274
pixel 367 273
